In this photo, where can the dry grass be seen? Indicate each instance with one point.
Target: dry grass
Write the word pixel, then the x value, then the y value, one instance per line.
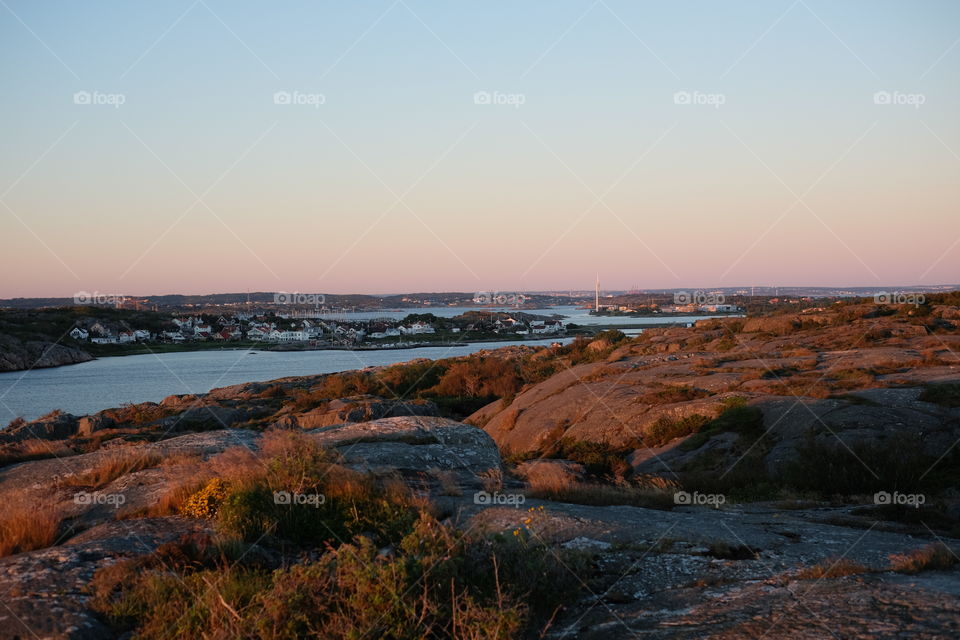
pixel 114 466
pixel 832 568
pixel 34 449
pixel 184 458
pixel 549 477
pixel 552 481
pixel 447 480
pixel 930 558
pixel 236 462
pixel 597 494
pixel 26 525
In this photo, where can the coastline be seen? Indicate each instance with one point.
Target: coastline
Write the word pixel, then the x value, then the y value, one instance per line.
pixel 96 352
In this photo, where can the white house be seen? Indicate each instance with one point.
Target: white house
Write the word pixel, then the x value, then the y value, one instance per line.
pixel 417 328
pixel 546 326
pixel 104 340
pixel 141 334
pixel 720 308
pixel 79 334
pixel 258 333
pixel 126 337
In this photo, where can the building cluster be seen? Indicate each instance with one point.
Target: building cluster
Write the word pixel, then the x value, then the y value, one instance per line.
pixel 700 308
pixel 653 308
pixel 285 329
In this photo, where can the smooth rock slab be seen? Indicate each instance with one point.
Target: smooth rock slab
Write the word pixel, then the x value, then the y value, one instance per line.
pixel 415 445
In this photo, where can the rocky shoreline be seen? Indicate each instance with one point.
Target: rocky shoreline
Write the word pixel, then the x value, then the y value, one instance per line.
pixel 781 477
pixel 16 355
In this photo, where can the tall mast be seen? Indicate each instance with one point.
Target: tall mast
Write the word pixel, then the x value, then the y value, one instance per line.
pixel 596 299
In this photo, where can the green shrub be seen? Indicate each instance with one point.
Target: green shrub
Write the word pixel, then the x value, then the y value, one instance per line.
pixel 598 458
pixel 666 429
pixel 834 469
pixel 437 583
pixel 668 394
pixel 330 514
pixel 206 502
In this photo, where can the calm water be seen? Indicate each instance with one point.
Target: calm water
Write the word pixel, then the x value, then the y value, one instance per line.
pixel 570 313
pixel 109 382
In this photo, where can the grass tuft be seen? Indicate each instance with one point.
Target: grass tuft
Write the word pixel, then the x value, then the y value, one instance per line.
pixel 934 557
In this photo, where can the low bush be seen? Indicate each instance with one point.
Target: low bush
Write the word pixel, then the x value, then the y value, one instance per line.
pixel 666 429
pixel 294 491
pixel 600 459
pixel 435 583
pixel 668 394
pixel 206 502
pixel 832 468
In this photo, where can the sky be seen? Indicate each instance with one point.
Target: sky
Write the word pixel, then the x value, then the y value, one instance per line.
pixel 403 145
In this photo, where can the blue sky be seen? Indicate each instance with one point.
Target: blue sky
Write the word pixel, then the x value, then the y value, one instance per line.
pixel 199 181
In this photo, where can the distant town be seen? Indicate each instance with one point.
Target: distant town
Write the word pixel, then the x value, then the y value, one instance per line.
pixel 295 327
